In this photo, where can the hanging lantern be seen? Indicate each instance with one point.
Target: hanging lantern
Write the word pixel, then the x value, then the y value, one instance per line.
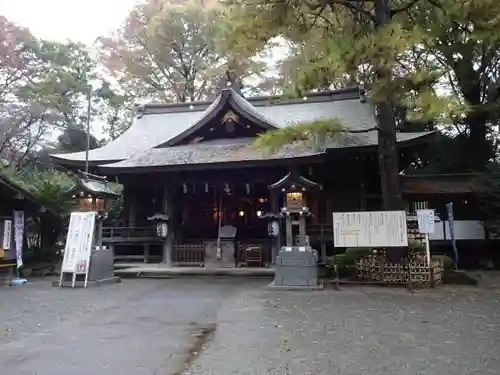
pixel 248 188
pixel 206 188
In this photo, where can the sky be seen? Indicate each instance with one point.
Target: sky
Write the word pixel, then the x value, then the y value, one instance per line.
pixel 81 20
pixel 60 20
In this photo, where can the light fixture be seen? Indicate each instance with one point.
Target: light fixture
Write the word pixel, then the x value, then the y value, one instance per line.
pixel 241 213
pixel 259 213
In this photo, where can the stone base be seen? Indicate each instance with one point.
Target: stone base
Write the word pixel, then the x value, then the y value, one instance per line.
pixel 90 283
pixel 320 286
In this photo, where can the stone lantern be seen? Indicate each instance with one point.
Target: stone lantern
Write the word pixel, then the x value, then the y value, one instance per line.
pixel 294 188
pixel 93 194
pixel 296 263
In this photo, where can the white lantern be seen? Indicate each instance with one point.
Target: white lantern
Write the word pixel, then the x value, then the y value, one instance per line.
pixel 162 229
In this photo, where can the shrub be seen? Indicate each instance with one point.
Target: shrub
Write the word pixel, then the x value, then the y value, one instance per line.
pixel 461 277
pixel 445 261
pixel 354 254
pixel 416 246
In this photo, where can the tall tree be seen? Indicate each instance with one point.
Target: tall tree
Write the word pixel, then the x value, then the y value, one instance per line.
pixel 338 39
pixel 166 52
pixel 18 66
pixel 463 38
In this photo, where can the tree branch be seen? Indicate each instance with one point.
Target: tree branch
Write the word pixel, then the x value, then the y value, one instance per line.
pixel 404 8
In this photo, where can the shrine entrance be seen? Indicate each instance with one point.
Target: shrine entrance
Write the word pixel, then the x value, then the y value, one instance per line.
pixel 224 219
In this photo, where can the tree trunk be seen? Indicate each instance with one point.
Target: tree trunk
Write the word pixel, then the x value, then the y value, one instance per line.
pixel 478 149
pixel 387 144
pixel 388 158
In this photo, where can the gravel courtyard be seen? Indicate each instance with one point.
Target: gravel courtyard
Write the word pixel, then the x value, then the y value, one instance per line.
pixel 234 326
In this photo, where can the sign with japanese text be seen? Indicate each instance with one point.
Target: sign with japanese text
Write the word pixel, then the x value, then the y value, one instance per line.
pixel 19 236
pixel 426 220
pixel 370 229
pixel 7 234
pixel 79 243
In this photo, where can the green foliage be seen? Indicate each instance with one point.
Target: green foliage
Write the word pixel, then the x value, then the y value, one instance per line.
pixel 445 260
pixel 49 187
pixel 438 60
pixel 114 212
pixel 416 246
pixel 459 277
pixel 333 44
pixel 313 134
pixel 346 263
pixel 166 51
pixel 354 254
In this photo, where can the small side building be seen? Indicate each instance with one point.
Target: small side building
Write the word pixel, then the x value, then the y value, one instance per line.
pixel 13 197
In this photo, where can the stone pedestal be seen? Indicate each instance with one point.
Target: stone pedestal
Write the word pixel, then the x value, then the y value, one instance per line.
pixel 101 271
pixel 101 265
pixel 296 269
pixel 227 254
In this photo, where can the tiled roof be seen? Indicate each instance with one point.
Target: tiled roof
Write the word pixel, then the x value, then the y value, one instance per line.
pixel 158 124
pixel 239 150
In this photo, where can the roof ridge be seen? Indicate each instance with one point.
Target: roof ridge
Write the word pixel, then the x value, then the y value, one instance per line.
pixel 346 93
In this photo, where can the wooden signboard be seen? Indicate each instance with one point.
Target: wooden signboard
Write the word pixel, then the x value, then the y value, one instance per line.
pixel 79 243
pixel 370 229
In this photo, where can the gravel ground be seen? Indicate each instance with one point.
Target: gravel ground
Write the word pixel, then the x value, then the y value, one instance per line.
pixel 164 327
pixel 357 331
pixel 135 327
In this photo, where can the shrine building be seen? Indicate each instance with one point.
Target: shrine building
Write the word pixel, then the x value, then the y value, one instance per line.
pixel 195 165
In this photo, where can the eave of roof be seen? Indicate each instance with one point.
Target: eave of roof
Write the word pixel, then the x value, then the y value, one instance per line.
pixel 221 152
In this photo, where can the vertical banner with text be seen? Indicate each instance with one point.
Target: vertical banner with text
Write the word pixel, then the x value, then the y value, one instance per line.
pixel 19 236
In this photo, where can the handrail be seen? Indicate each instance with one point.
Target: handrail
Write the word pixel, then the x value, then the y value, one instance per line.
pixel 109 232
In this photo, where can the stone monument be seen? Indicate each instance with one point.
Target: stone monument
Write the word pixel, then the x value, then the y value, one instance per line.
pixel 296 262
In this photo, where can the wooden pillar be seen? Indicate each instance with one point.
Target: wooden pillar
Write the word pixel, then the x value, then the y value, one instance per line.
pixel 129 206
pixel 168 209
pixel 362 192
pixel 146 252
pixel 275 209
pixel 131 212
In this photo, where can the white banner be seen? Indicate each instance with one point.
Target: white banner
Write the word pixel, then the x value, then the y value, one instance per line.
pixel 370 229
pixel 7 234
pixel 79 242
pixel 19 236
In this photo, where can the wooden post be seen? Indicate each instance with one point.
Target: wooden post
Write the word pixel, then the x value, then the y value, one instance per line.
pixel 146 252
pixel 131 211
pixel 275 209
pixel 168 209
pixel 289 232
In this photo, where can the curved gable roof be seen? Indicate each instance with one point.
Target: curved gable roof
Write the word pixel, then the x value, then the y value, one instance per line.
pixel 237 103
